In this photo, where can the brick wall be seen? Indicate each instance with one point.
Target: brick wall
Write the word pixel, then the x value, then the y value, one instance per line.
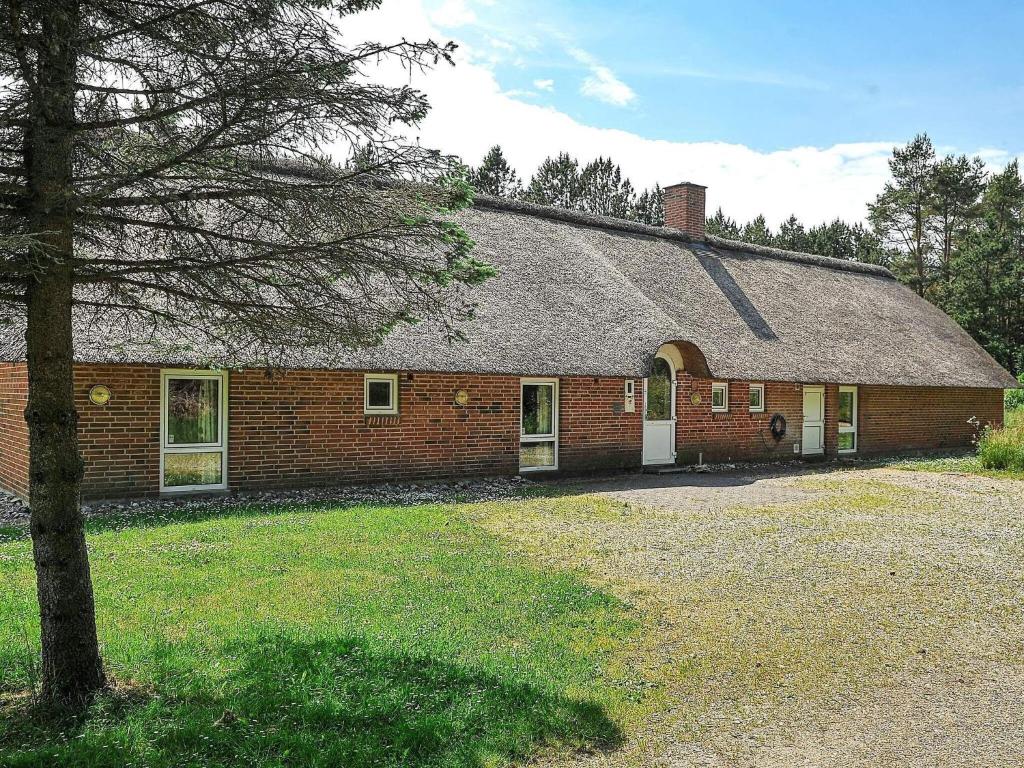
pixel 738 434
pixel 894 419
pixel 300 427
pixel 890 420
pixel 119 441
pixel 684 208
pixel 596 433
pixel 308 427
pixel 13 429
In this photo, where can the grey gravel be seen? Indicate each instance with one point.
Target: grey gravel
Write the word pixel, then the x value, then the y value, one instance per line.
pixel 883 606
pixel 14 511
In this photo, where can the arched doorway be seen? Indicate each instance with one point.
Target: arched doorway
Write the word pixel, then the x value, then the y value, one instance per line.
pixel 660 413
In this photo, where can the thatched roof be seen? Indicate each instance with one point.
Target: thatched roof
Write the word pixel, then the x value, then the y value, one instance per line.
pixel 582 295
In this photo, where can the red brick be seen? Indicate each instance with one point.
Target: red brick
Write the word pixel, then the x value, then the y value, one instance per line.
pixel 307 427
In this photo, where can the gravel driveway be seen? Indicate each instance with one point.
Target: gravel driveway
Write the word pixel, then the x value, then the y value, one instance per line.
pixel 829 617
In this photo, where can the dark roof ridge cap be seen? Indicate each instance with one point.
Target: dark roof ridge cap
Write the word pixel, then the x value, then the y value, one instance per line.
pixel 575 217
pixel 829 262
pixel 667 233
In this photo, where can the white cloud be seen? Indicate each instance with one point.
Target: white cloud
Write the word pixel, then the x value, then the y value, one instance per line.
pixel 453 13
pixel 471 113
pixel 544 85
pixel 601 83
pixel 604 86
pixel 520 93
pixel 501 45
pixel 800 82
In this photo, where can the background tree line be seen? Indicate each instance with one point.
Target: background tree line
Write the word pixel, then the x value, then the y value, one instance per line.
pixel 597 187
pixel 944 226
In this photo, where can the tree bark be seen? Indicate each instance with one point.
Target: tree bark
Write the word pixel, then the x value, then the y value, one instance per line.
pixel 72 670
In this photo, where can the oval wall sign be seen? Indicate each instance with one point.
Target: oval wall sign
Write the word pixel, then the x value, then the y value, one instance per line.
pixel 99 395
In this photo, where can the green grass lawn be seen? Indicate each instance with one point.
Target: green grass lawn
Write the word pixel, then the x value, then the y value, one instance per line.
pixel 335 637
pixel 475 635
pixel 965 463
pixel 1015 417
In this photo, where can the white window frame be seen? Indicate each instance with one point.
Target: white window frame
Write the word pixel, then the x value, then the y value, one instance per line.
pixel 760 407
pixel 549 438
pixel 724 386
pixel 852 429
pixel 389 410
pixel 221 446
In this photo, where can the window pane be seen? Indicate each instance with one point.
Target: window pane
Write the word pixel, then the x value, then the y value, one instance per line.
pixel 846 409
pixel 182 469
pixel 847 441
pixel 538 409
pixel 718 397
pixel 193 411
pixel 756 394
pixel 537 454
pixel 378 394
pixel 659 392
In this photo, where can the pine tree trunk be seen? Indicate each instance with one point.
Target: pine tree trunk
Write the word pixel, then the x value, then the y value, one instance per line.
pixel 71 667
pixel 72 670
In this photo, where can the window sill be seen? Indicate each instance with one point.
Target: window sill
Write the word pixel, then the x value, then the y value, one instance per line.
pixel 381 420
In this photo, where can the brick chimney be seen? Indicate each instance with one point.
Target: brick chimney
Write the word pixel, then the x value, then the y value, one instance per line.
pixel 684 208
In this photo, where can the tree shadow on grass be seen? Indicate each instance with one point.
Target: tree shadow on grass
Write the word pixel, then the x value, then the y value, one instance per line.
pixel 325 702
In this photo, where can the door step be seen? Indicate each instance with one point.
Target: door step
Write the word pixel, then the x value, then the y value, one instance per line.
pixel 663 469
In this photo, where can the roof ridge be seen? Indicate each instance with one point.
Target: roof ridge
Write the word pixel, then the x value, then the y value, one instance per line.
pixel 668 233
pixel 800 257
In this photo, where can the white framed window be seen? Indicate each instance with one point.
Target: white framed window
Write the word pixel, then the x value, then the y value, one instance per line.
pixel 847 416
pixel 538 425
pixel 193 431
pixel 719 397
pixel 380 394
pixel 757 398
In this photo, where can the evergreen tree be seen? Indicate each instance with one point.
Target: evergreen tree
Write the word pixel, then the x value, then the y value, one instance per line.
pixel 650 207
pixel 556 182
pixel 721 225
pixel 757 232
pixel 835 239
pixel 900 213
pixel 792 236
pixel 869 248
pixel 603 190
pixel 956 186
pixel 165 170
pixel 986 293
pixel 496 177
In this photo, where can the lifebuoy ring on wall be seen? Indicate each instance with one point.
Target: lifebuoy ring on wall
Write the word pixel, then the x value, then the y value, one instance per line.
pixel 778 426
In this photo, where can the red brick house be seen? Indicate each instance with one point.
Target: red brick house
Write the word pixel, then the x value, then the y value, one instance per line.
pixel 601 344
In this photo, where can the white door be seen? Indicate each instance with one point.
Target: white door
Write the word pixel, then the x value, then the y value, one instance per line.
pixel 813 436
pixel 659 414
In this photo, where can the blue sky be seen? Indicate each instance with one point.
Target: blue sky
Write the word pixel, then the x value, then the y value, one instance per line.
pixel 773 75
pixel 805 97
